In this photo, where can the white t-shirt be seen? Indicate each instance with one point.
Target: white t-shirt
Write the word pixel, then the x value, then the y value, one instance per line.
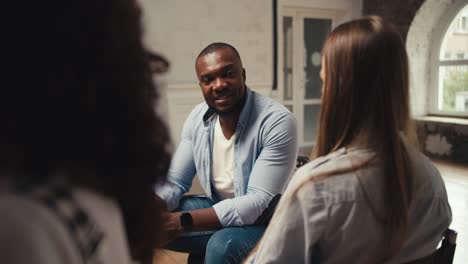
pixel 32 233
pixel 223 163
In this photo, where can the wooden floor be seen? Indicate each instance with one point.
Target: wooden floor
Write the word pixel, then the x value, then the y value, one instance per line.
pixel 456 181
pixel 169 257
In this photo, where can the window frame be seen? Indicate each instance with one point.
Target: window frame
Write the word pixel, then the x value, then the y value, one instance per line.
pixel 437 63
pixel 462 26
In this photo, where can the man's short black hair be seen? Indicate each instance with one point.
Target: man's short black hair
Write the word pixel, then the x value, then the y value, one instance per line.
pixel 217 46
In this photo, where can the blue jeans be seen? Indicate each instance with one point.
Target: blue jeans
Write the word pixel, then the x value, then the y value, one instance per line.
pixel 227 245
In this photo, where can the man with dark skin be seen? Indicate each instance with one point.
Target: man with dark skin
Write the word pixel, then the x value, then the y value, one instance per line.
pixel 242 146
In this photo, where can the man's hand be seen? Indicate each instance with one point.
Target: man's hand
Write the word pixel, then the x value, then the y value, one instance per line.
pixel 171 222
pixel 170 228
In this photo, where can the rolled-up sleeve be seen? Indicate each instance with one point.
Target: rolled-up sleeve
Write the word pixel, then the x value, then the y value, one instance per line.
pixel 270 173
pixel 181 171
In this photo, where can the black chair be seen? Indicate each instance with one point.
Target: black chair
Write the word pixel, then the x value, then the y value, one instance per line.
pixel 444 254
pixel 301 160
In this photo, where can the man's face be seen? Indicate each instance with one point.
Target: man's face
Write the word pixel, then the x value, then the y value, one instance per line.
pixel 222 80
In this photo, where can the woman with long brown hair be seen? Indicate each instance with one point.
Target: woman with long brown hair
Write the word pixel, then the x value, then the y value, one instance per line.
pixel 368 196
pixel 80 144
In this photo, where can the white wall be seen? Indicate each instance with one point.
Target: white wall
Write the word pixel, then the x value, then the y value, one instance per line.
pixel 350 9
pixel 180 29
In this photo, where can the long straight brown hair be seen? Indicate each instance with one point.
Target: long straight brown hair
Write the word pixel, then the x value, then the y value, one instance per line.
pixel 366 88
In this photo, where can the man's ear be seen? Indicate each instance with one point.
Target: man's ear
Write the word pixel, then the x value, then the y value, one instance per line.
pixel 243 74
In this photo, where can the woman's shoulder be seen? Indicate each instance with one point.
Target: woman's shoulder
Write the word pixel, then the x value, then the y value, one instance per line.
pixel 27 226
pixel 32 223
pixel 337 163
pixel 107 217
pixel 332 178
pixel 21 211
pixel 427 178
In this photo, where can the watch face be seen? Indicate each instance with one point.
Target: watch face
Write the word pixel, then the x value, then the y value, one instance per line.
pixel 186 220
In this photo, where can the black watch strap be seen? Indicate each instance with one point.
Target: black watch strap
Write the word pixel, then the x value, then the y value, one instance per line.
pixel 186 220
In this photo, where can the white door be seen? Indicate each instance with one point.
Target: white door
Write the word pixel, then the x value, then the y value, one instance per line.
pixel 302 38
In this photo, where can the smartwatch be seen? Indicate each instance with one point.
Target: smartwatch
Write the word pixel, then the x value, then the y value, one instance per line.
pixel 186 220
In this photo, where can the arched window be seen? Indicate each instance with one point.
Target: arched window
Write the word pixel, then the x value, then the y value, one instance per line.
pixel 451 88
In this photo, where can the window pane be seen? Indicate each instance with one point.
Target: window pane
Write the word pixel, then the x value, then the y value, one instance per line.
pixel 455 42
pixel 289 107
pixel 310 122
pixel 287 57
pixel 315 32
pixel 453 88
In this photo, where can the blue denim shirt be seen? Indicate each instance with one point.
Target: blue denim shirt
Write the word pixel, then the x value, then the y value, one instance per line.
pixel 265 152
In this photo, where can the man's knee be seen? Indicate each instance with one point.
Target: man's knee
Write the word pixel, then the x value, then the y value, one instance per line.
pixel 222 241
pixel 229 245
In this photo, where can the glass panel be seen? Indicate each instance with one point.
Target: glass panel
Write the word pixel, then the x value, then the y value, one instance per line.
pixel 315 32
pixel 310 122
pixel 453 88
pixel 287 57
pixel 455 42
pixel 290 107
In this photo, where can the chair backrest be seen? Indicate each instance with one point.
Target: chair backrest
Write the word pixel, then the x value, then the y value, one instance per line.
pixel 301 160
pixel 447 250
pixel 444 254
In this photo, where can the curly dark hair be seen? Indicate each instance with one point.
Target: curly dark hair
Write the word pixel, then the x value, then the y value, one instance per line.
pixel 83 104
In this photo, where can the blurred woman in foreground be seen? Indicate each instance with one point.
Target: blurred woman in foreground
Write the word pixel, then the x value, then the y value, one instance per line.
pixel 80 145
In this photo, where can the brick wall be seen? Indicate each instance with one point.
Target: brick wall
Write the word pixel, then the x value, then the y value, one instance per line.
pixel 399 12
